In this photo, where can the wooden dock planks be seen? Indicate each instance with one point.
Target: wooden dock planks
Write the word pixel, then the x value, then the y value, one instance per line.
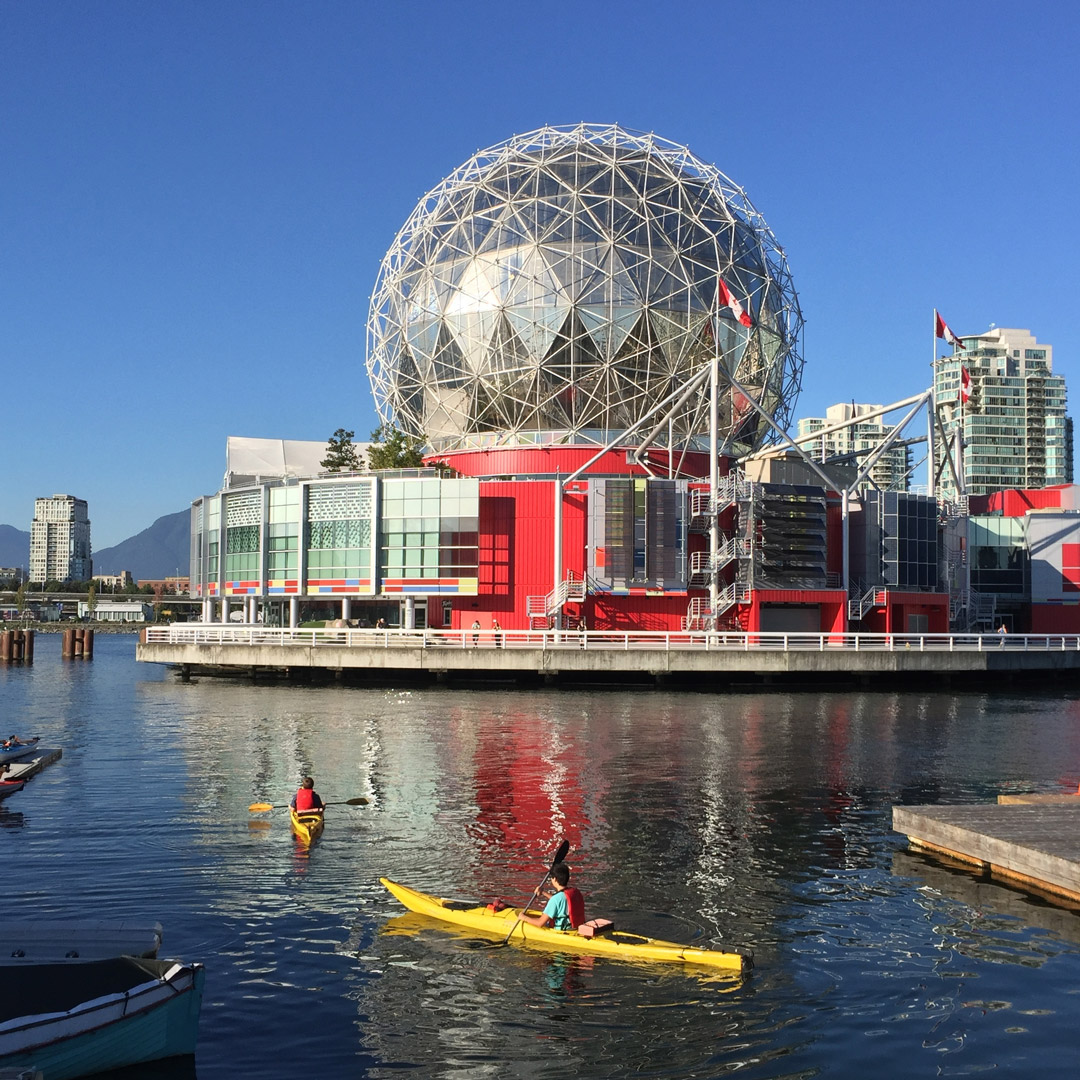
pixel 1034 845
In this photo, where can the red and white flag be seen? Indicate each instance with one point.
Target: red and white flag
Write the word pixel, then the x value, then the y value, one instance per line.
pixel 965 383
pixel 727 299
pixel 941 330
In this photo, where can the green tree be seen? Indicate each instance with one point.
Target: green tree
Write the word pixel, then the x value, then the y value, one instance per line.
pixel 91 599
pixel 341 455
pixel 393 449
pixel 20 597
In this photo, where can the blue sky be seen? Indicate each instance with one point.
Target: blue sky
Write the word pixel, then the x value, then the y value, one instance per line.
pixel 194 197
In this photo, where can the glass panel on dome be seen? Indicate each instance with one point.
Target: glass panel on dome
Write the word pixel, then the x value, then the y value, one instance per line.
pixel 536 327
pixel 472 331
pixel 608 326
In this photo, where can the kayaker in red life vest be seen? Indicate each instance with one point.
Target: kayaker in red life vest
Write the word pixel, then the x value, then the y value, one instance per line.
pixel 306 797
pixel 565 909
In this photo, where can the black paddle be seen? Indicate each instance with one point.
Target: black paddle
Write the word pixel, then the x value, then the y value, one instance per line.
pixel 564 848
pixel 262 807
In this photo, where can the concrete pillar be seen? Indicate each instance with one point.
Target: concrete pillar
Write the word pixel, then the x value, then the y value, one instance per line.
pixel 225 609
pixel 409 614
pixel 346 608
pixel 294 612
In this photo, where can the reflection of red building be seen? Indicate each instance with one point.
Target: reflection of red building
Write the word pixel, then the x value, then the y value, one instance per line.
pixel 526 797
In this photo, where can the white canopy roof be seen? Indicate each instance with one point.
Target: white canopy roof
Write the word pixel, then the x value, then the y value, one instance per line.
pixel 248 460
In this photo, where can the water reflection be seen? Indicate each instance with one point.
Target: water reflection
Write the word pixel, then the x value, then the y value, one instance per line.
pixel 759 820
pixel 982 917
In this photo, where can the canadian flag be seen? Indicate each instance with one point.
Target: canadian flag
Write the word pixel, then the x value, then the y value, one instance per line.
pixel 941 330
pixel 727 299
pixel 965 383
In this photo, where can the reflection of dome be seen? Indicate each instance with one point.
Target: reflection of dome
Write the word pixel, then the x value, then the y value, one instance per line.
pixel 563 281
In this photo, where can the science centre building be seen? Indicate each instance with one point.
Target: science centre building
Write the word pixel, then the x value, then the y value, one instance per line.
pixel 587 328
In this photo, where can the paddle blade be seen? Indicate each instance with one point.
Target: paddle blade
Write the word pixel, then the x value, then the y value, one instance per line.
pixel 560 855
pixel 359 801
pixel 260 807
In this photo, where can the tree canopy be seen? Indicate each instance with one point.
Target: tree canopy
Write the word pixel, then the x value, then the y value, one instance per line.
pixel 393 449
pixel 341 455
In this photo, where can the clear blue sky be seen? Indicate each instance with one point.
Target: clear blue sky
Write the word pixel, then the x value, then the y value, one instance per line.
pixel 194 197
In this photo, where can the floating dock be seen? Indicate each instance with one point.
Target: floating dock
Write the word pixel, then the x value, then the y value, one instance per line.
pixel 1034 845
pixel 24 768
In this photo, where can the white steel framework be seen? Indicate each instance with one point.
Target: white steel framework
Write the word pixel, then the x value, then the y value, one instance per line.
pixel 557 285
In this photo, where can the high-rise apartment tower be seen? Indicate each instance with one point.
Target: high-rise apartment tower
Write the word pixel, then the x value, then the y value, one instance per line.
pixel 856 442
pixel 60 540
pixel 1015 431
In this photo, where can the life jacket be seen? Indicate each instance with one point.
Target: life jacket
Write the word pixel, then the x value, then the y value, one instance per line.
pixel 575 905
pixel 305 800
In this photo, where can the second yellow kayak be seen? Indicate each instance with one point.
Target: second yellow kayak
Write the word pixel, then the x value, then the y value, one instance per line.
pixel 307 824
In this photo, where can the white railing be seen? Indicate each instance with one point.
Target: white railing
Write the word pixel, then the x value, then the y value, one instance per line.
pixel 239 634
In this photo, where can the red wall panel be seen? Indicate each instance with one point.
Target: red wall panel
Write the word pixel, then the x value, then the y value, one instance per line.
pixel 1055 618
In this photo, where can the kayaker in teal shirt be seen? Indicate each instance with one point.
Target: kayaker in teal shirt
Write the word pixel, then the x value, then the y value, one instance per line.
pixel 565 909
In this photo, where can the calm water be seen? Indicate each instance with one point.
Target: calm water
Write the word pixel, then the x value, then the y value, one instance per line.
pixel 756 819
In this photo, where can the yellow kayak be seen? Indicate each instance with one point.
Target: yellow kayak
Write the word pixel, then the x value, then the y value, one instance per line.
pixel 615 943
pixel 307 824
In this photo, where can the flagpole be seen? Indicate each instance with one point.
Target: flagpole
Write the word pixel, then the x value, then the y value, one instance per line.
pixel 931 449
pixel 714 469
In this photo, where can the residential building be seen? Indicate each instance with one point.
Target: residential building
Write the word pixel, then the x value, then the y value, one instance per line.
pixel 114 581
pixel 60 540
pixel 1015 431
pixel 855 442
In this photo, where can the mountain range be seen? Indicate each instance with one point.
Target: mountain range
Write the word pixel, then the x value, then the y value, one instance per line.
pixel 162 550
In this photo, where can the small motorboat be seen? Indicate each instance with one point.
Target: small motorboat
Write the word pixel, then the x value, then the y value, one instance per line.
pixel 306 824
pixel 20 750
pixel 40 941
pixel 503 922
pixel 9 787
pixel 74 1018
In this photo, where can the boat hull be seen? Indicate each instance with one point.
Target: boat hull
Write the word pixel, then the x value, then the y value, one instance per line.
pixel 17 752
pixel 618 945
pixel 307 825
pixel 9 787
pixel 155 1019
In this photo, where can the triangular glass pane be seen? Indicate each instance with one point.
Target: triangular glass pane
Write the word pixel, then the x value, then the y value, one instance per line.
pixel 536 327
pixel 474 291
pixel 608 325
pixel 472 331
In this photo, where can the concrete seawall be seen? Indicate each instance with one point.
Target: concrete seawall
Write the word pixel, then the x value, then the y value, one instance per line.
pixel 422 662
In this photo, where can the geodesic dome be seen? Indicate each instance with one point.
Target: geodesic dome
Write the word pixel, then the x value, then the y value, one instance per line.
pixel 559 284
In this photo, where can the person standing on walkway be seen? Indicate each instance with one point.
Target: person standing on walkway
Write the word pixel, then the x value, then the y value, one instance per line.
pixel 475 632
pixel 496 633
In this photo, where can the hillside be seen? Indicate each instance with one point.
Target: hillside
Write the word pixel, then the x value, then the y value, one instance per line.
pixel 14 546
pixel 162 550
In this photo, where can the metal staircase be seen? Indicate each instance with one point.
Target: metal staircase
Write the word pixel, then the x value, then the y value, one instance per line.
pixel 542 610
pixel 734 547
pixel 863 602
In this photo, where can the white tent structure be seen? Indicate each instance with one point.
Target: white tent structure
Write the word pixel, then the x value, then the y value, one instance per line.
pixel 251 460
